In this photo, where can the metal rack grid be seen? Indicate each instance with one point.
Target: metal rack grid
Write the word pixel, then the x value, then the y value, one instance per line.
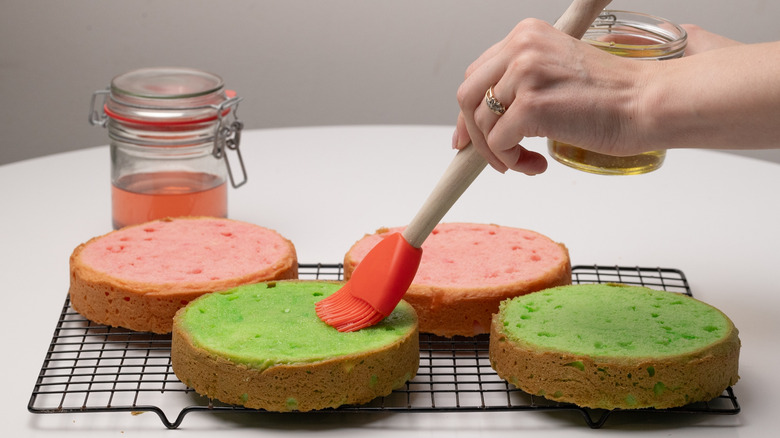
pixel 95 368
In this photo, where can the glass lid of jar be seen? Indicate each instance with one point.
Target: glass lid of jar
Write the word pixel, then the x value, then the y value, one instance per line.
pixel 167 96
pixel 166 83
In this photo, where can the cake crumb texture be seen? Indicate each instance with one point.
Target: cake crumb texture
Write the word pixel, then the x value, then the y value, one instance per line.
pixel 137 277
pixel 263 346
pixel 467 269
pixel 615 346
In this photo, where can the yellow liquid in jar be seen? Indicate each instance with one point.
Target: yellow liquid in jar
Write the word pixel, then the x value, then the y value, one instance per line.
pixel 637 48
pixel 625 45
pixel 594 162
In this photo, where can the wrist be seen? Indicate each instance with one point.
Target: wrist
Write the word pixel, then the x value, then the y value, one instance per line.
pixel 657 116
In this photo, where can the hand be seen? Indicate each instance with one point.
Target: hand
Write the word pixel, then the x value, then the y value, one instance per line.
pixel 726 95
pixel 700 40
pixel 552 85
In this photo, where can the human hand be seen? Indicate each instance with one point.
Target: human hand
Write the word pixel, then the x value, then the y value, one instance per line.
pixel 700 40
pixel 552 85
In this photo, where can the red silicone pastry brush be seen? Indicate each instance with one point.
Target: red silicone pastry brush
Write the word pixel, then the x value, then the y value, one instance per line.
pixel 383 276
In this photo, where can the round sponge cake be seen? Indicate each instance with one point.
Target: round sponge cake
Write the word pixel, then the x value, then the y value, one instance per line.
pixel 468 269
pixel 614 346
pixel 137 277
pixel 263 346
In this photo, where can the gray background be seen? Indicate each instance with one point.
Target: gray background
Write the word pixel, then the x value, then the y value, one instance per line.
pixel 296 62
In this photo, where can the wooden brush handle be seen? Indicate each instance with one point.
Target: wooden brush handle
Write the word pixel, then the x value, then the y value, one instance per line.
pixel 578 17
pixel 461 172
pixel 468 163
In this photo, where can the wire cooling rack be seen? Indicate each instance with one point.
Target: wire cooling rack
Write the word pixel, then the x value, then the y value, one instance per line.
pixel 95 368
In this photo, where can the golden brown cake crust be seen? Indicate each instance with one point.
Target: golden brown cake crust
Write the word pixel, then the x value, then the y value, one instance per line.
pixel 449 311
pixel 351 379
pixel 150 307
pixel 617 383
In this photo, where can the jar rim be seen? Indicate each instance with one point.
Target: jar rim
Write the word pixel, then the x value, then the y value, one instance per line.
pixel 172 120
pixel 656 33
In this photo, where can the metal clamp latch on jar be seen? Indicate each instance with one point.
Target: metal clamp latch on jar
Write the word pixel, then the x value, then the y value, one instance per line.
pixel 98 118
pixel 228 137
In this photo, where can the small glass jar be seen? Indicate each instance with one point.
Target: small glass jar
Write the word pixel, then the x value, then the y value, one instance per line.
pixel 169 131
pixel 631 35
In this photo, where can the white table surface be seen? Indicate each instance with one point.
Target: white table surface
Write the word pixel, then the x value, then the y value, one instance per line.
pixel 714 216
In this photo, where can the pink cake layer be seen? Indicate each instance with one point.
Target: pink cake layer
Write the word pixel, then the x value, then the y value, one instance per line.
pixel 191 251
pixel 139 276
pixel 468 269
pixel 477 255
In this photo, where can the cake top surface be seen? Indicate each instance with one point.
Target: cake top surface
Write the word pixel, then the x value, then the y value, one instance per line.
pixel 189 250
pixel 475 255
pixel 610 320
pixel 264 324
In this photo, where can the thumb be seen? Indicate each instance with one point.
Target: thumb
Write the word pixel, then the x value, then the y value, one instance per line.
pixel 460 138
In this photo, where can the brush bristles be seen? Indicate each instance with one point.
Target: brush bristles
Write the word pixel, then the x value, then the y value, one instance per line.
pixel 347 313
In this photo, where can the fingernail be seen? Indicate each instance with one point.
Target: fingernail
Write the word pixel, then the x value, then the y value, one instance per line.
pixel 455 139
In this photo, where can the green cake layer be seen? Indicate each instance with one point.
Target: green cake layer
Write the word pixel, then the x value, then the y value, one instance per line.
pixel 601 320
pixel 611 346
pixel 262 325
